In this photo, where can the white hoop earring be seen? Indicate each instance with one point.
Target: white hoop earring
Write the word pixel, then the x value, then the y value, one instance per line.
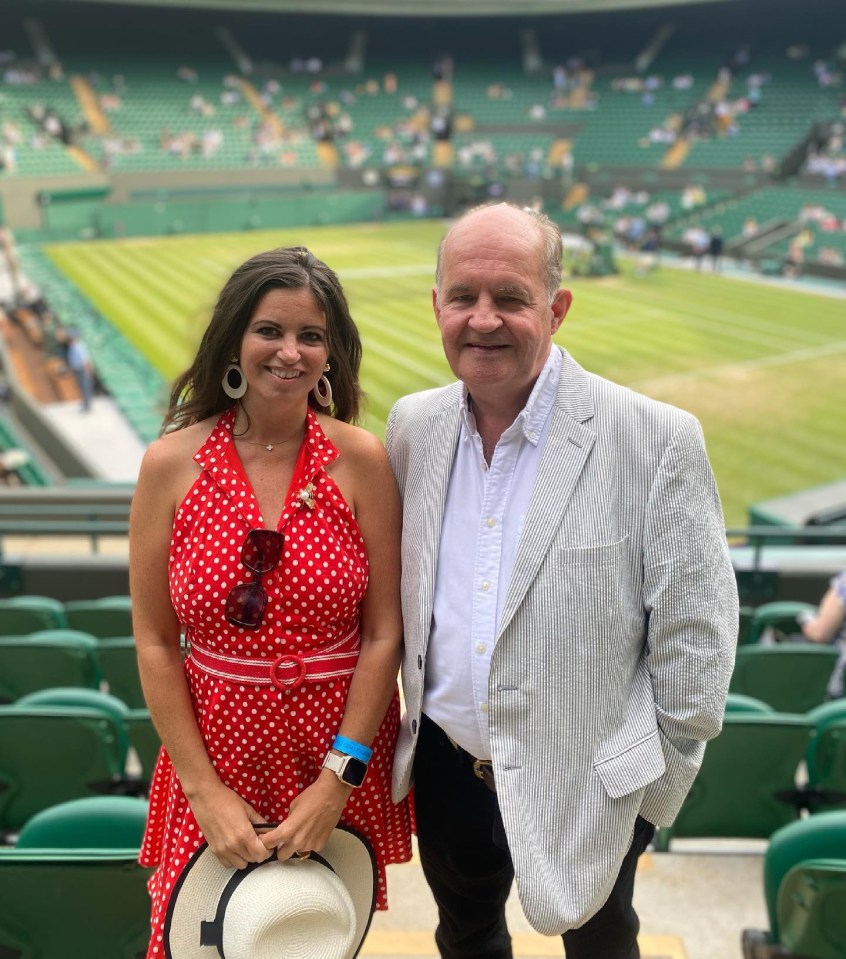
pixel 322 391
pixel 234 382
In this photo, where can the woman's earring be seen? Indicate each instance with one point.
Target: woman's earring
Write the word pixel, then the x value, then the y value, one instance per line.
pixel 234 382
pixel 323 389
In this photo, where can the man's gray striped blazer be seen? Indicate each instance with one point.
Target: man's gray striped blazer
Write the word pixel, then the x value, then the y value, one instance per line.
pixel 617 637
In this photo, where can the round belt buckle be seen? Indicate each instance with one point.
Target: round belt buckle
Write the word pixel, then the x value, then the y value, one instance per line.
pixel 288 659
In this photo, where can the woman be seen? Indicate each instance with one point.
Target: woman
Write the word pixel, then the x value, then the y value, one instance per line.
pixel 267 530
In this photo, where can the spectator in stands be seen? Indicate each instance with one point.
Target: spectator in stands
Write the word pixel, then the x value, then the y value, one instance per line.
pixel 829 626
pixel 79 363
pixel 297 591
pixel 715 249
pixel 570 619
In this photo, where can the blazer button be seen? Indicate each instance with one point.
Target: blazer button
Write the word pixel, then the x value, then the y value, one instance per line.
pixel 419 662
pixel 414 725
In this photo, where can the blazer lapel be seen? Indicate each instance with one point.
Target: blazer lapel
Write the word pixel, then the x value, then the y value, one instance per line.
pixel 568 445
pixel 441 440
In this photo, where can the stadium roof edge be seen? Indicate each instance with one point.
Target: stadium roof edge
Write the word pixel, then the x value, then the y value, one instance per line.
pixel 411 8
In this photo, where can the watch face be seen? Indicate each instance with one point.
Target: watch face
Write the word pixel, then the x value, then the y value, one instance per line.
pixel 354 772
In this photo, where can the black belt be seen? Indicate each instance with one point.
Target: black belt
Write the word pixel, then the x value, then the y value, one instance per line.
pixel 482 768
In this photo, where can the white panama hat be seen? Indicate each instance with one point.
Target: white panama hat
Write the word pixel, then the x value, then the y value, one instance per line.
pixel 315 908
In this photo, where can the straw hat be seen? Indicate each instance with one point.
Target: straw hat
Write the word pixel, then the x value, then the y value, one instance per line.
pixel 316 908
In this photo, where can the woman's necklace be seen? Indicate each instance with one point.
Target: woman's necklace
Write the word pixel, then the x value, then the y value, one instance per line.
pixel 268 446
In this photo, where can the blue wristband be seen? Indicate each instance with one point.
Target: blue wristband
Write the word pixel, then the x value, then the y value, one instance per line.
pixel 349 747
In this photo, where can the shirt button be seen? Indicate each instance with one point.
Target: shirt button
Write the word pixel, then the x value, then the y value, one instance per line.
pixel 485 585
pixel 491 522
pixel 483 707
pixel 532 435
pixel 480 647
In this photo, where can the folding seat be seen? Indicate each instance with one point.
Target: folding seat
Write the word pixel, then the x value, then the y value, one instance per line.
pixel 826 757
pixel 144 739
pixel 746 786
pixel 95 822
pixel 805 891
pixel 782 617
pixel 72 886
pixel 790 677
pixel 59 697
pixel 738 703
pixel 39 661
pixel 25 614
pixel 119 666
pixel 49 755
pixel 105 617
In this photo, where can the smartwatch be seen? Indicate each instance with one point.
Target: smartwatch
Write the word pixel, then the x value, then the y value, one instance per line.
pixel 348 769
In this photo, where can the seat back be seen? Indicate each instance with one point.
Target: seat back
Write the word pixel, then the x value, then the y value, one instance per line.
pixel 29 664
pixel 811 909
pixel 820 836
pixel 747 778
pixel 95 822
pixel 49 755
pixel 782 617
pixel 822 717
pixel 827 772
pixel 738 703
pixel 25 614
pixel 119 664
pixel 105 617
pixel 145 740
pixel 790 677
pixel 75 904
pixel 61 696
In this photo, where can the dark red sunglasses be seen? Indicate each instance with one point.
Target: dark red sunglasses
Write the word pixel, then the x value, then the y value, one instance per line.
pixel 260 553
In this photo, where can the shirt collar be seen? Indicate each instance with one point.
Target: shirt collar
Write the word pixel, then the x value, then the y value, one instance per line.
pixel 532 418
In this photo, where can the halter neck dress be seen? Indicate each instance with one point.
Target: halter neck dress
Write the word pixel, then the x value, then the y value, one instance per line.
pixel 266 743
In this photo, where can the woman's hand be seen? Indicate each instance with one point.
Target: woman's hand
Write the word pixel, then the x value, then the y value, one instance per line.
pixel 227 824
pixel 312 817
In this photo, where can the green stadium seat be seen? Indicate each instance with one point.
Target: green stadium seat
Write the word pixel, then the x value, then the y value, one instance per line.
pixel 144 739
pixel 790 677
pixel 61 696
pixel 782 618
pixel 28 664
pixel 95 822
pixel 105 617
pixel 73 904
pixel 804 891
pixel 119 665
pixel 49 755
pixel 746 786
pixel 738 703
pixel 26 614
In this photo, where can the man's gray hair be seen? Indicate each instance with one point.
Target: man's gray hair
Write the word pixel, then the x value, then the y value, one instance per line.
pixel 553 249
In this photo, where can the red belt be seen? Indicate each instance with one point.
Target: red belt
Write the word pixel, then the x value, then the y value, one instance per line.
pixel 287 671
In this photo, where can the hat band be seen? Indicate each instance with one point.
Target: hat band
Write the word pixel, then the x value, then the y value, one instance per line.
pixel 286 671
pixel 211 930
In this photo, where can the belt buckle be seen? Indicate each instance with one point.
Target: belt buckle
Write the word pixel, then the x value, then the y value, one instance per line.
pixel 288 659
pixel 483 769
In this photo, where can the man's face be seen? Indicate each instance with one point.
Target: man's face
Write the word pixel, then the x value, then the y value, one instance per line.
pixel 493 308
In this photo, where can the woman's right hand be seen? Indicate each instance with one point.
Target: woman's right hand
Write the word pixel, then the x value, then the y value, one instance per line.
pixel 226 821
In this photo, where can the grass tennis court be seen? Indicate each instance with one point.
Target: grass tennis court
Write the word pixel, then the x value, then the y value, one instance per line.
pixel 762 367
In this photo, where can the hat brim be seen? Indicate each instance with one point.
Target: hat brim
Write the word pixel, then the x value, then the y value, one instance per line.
pixel 347 852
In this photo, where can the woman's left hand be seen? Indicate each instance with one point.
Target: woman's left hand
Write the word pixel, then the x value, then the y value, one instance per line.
pixel 312 817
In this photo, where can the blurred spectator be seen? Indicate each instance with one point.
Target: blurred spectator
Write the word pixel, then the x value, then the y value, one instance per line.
pixel 828 625
pixel 715 249
pixel 79 363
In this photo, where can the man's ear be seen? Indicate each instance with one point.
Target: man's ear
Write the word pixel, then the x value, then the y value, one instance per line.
pixel 560 306
pixel 435 306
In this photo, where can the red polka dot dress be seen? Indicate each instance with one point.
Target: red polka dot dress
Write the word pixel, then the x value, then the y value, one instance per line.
pixel 267 743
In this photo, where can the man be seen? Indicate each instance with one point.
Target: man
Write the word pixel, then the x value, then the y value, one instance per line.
pixel 79 363
pixel 570 608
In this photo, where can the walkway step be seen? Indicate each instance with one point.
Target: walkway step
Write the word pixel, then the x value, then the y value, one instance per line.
pixel 98 122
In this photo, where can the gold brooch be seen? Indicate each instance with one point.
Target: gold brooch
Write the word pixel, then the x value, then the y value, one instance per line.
pixel 306 495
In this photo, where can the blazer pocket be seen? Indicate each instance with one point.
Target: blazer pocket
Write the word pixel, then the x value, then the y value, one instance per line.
pixel 600 554
pixel 633 768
